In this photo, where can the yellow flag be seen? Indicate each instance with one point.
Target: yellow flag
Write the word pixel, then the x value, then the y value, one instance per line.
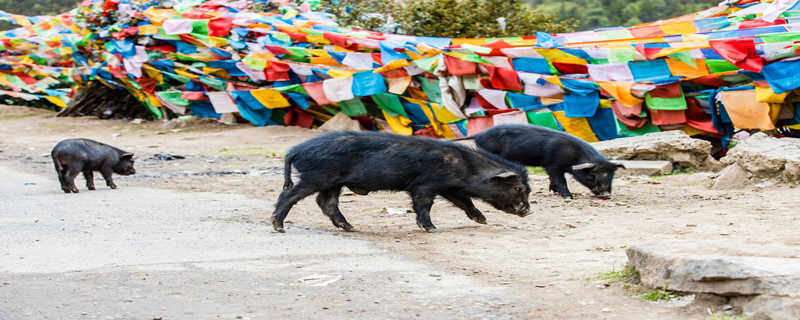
pixel 621 91
pixel 339 73
pixel 56 101
pixel 442 114
pixel 186 74
pixel 270 98
pixel 448 133
pixel 398 124
pixel 765 94
pixel 153 100
pixel 153 73
pixel 556 55
pixel 148 29
pixel 578 127
pixel 437 127
pixel 317 39
pixel 680 27
pixel 397 64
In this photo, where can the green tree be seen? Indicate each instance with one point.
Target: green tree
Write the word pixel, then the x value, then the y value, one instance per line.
pixel 592 14
pixel 37 7
pixel 447 18
pixel 369 14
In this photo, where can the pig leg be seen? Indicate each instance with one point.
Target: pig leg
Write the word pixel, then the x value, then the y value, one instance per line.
pixel 62 177
pixel 422 204
pixel 466 205
pixel 69 178
pixel 89 175
pixel 107 172
pixel 328 201
pixel 558 183
pixel 287 199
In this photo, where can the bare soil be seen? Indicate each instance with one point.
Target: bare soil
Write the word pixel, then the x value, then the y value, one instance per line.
pixel 550 260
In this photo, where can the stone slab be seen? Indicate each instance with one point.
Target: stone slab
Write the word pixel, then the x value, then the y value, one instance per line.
pixel 644 167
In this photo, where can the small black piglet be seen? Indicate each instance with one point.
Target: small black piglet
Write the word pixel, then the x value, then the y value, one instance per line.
pixel 73 156
pixel 558 152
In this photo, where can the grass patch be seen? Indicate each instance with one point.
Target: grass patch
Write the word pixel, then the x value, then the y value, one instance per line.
pixel 628 277
pixel 537 171
pixel 661 294
pixel 627 273
pixel 689 170
pixel 17 116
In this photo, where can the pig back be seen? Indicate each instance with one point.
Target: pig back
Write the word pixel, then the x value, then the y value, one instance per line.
pixel 534 146
pixel 86 151
pixel 379 161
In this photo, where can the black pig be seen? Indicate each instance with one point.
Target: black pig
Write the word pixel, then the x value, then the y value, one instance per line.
pixel 73 156
pixel 556 151
pixel 372 161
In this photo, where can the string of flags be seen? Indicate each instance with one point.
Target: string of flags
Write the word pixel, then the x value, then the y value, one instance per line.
pixel 733 66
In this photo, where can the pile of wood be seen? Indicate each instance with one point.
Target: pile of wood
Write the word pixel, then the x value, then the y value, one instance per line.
pixel 97 99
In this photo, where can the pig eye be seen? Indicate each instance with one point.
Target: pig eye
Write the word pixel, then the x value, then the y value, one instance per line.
pixel 518 189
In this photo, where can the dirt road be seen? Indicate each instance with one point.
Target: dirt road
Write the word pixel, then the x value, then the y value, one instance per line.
pixel 542 266
pixel 142 253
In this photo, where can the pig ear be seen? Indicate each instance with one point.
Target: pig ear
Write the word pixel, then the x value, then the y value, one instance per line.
pixel 583 166
pixel 126 156
pixel 504 176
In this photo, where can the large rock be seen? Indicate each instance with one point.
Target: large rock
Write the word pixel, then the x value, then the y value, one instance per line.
pixel 765 156
pixel 720 267
pixel 644 167
pixel 732 177
pixel 768 276
pixel 340 122
pixel 674 146
pixel 772 308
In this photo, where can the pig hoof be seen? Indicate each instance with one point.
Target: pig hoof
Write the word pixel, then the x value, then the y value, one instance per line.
pixel 90 188
pixel 348 228
pixel 481 220
pixel 112 186
pixel 428 228
pixel 278 227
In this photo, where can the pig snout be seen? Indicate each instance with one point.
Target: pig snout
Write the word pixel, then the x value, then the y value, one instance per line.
pixel 523 209
pixel 602 193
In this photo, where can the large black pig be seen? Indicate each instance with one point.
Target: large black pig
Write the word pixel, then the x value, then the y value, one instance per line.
pixel 74 156
pixel 556 151
pixel 423 167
